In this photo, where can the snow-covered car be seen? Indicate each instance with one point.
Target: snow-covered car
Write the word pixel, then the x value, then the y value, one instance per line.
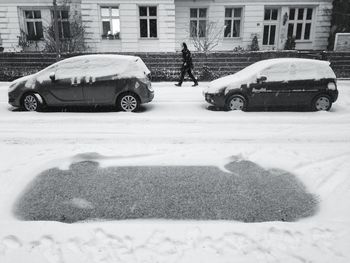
pixel 89 80
pixel 276 82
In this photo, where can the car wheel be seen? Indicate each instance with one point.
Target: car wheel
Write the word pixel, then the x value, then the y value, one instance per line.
pixel 322 103
pixel 31 102
pixel 236 102
pixel 128 102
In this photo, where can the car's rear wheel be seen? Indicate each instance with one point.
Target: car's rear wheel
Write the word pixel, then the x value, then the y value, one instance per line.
pixel 322 103
pixel 31 102
pixel 236 102
pixel 128 102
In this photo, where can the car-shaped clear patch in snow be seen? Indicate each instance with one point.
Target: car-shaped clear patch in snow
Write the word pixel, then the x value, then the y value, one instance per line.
pixel 281 82
pixel 88 80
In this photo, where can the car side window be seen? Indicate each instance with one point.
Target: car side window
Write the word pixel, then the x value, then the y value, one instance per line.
pixel 302 71
pixel 278 72
pixel 45 74
pixel 72 71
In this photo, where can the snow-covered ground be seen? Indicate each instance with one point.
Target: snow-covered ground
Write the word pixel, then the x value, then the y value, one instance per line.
pixel 178 129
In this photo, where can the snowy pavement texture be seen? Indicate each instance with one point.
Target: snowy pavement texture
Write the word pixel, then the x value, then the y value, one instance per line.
pixel 177 129
pixel 246 192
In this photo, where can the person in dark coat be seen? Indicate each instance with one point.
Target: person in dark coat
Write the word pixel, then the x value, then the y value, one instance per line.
pixel 187 66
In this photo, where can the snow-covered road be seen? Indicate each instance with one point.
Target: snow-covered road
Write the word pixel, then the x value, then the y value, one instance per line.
pixel 178 129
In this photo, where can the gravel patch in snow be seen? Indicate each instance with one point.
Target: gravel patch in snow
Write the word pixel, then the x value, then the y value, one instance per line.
pixel 86 191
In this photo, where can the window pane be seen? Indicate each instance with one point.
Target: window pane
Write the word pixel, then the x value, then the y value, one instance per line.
pixel 66 29
pixel 106 28
pixel 309 14
pixel 236 28
pixel 104 11
pixel 193 28
pixel 60 30
pixel 290 30
pixel 266 35
pixel 28 14
pixel 115 11
pixel 274 14
pixel 291 13
pixel 202 12
pixel 153 11
pixel 299 28
pixel 307 31
pixel 267 14
pixel 300 13
pixel 202 28
pixel 143 28
pixel 228 12
pixel 153 27
pixel 228 28
pixel 193 12
pixel 39 30
pixel 37 14
pixel 143 11
pixel 237 12
pixel 272 34
pixel 116 27
pixel 30 31
pixel 64 14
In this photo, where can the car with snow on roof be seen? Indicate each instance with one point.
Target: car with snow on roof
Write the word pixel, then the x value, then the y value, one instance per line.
pixel 280 82
pixel 89 80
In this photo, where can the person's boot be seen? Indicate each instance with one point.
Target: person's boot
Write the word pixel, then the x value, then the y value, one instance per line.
pixel 178 84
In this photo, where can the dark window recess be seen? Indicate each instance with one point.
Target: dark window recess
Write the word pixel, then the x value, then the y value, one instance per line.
pixel 153 11
pixel 291 14
pixel 202 12
pixel 143 28
pixel 237 12
pixel 307 31
pixel 202 28
pixel 236 28
pixel 290 30
pixel 153 27
pixel 193 12
pixel 300 13
pixel 106 27
pixel 267 15
pixel 143 11
pixel 193 28
pixel 266 35
pixel 309 14
pixel 274 14
pixel 228 27
pixel 299 29
pixel 228 12
pixel 272 34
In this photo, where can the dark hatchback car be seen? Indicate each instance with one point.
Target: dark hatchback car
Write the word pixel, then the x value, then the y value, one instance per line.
pixel 283 82
pixel 91 80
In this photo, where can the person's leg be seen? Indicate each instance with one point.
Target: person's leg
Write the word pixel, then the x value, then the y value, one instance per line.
pixel 192 77
pixel 182 76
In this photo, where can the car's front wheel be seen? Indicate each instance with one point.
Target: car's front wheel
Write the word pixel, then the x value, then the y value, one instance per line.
pixel 31 102
pixel 236 102
pixel 322 103
pixel 128 102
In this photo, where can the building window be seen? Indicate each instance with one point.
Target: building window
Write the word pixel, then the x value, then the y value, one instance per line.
pixel 148 21
pixel 299 25
pixel 270 26
pixel 198 22
pixel 110 22
pixel 233 22
pixel 63 23
pixel 33 24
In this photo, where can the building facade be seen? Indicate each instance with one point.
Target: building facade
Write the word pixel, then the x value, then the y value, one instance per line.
pixel 162 25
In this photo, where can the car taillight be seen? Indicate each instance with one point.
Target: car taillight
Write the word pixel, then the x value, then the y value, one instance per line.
pixel 331 86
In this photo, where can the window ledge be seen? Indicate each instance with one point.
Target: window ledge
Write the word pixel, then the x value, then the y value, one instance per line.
pixel 148 38
pixel 303 41
pixel 114 39
pixel 233 38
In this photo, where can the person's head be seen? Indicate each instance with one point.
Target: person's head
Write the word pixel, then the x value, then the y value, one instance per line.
pixel 184 46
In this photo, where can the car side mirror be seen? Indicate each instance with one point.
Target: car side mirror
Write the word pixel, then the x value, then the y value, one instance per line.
pixel 52 76
pixel 261 79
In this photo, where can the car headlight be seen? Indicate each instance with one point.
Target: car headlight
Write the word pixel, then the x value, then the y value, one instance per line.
pixel 150 88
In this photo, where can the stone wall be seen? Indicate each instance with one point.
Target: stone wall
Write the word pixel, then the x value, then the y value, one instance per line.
pixel 165 66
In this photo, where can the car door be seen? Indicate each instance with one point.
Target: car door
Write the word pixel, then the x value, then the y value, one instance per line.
pixel 67 86
pixel 100 83
pixel 276 91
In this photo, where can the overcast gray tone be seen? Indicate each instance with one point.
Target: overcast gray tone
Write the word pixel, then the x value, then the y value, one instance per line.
pixel 86 191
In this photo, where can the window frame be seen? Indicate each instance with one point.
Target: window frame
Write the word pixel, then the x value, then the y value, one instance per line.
pixel 110 17
pixel 34 21
pixel 269 23
pixel 198 19
pixel 303 21
pixel 232 19
pixel 148 18
pixel 61 20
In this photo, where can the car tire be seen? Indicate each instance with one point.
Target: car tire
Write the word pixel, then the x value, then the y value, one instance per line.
pixel 32 102
pixel 322 103
pixel 128 102
pixel 236 102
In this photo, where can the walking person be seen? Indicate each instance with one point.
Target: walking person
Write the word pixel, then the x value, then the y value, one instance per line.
pixel 187 66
